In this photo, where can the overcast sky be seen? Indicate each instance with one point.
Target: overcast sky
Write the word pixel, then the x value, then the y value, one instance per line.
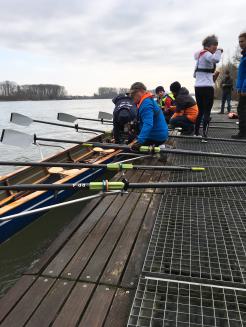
pixel 86 44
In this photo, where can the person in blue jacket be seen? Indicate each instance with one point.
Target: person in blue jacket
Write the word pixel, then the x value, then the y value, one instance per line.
pixel 153 129
pixel 241 89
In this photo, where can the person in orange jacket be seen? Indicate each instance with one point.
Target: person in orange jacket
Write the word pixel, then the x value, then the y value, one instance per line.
pixel 186 111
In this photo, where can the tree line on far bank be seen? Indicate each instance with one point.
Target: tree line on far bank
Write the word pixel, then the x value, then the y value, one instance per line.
pixel 11 91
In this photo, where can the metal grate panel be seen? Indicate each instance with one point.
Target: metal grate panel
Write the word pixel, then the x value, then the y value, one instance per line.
pixel 233 193
pixel 163 303
pixel 211 174
pixel 206 161
pixel 199 239
pixel 212 146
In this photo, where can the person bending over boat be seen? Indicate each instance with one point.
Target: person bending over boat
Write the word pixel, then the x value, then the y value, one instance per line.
pixel 241 89
pixel 153 128
pixel 166 102
pixel 186 112
pixel 124 119
pixel 206 75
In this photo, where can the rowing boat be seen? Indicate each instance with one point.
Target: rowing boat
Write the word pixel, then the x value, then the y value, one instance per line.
pixel 16 202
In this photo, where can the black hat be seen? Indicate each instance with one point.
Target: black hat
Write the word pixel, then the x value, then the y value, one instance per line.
pixel 159 89
pixel 175 87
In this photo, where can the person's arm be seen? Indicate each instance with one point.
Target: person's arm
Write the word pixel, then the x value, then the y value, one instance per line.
pixel 243 90
pixel 213 58
pixel 147 117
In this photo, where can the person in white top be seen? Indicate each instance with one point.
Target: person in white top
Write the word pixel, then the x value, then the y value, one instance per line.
pixel 205 75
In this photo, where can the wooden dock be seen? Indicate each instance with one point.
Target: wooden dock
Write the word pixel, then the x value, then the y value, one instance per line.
pixel 89 275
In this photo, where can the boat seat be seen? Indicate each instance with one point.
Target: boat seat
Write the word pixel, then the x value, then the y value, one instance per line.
pixel 61 171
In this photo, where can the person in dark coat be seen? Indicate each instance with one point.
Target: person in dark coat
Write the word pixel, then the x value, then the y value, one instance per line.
pixel 186 111
pixel 241 89
pixel 227 87
pixel 124 118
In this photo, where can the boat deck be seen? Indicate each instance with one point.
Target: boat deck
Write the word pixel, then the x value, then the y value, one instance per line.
pixel 174 257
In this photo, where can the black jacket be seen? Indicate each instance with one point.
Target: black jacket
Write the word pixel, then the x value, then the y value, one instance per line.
pixel 227 84
pixel 184 100
pixel 125 111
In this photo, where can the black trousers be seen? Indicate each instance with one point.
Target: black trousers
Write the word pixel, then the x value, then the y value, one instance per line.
pixel 241 110
pixel 226 97
pixel 205 101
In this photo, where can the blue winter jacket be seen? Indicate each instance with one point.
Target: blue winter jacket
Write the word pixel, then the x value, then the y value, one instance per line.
pixel 241 76
pixel 153 126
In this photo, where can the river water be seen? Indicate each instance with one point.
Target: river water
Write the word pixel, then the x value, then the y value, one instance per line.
pixel 24 248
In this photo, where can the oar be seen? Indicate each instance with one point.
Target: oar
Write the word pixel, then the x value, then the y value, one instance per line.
pixel 102 115
pixel 207 138
pixel 110 166
pixel 124 185
pixel 23 120
pixel 71 119
pixel 11 137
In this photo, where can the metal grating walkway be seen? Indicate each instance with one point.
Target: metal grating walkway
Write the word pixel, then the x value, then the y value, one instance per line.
pixel 194 272
pixel 164 303
pixel 199 238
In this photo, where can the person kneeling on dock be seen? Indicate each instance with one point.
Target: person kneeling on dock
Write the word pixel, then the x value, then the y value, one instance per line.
pixel 152 125
pixel 186 112
pixel 124 119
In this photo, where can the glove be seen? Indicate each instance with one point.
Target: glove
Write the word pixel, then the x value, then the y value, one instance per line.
pixel 136 146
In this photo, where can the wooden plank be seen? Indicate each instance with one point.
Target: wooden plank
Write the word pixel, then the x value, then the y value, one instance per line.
pixel 135 263
pixel 14 295
pixel 120 309
pixel 63 237
pixel 74 306
pixel 103 252
pixel 118 259
pixel 80 259
pixel 28 304
pixel 48 309
pixel 98 307
pixel 59 262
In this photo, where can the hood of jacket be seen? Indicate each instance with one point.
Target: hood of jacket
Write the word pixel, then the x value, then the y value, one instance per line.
pixel 120 97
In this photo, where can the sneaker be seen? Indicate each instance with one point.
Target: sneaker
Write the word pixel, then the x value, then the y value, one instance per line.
pixel 238 136
pixel 197 135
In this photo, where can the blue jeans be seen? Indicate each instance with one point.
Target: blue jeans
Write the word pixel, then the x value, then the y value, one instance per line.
pixel 183 122
pixel 226 97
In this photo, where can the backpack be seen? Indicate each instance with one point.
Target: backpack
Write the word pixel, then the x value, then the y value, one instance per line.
pixel 124 119
pixel 125 110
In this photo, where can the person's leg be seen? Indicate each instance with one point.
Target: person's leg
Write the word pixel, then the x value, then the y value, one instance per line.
pixel 200 103
pixel 242 115
pixel 209 96
pixel 183 122
pixel 229 102
pixel 223 101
